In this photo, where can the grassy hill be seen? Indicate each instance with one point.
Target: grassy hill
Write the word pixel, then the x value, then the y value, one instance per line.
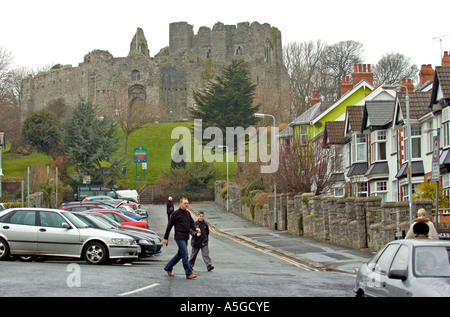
pixel 156 138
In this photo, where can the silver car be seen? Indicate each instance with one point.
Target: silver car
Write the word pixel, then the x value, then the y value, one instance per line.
pixel 51 232
pixel 410 267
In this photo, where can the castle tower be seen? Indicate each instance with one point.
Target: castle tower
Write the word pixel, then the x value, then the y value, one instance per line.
pixel 139 43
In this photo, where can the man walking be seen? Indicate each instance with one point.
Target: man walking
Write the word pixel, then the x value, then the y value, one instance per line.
pixel 184 226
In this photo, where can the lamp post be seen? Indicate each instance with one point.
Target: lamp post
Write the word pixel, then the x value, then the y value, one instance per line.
pixel 228 194
pixel 261 115
pixel 2 144
pixel 409 147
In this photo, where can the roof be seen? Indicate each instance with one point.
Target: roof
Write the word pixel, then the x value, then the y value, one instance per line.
pixel 362 84
pixel 334 132
pixel 419 102
pixel 354 118
pixel 312 112
pixel 442 80
pixel 378 113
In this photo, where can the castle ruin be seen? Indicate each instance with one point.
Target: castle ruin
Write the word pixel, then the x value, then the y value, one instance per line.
pixel 170 77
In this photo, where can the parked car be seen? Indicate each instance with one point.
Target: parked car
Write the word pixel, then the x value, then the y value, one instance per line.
pixel 52 232
pixel 122 219
pixel 148 244
pixel 409 267
pixel 80 206
pixel 119 225
pixel 128 193
pixel 119 201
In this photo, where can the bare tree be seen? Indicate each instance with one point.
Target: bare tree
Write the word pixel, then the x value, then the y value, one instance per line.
pixel 305 167
pixel 393 67
pixel 303 62
pixel 130 111
pixel 274 101
pixel 338 60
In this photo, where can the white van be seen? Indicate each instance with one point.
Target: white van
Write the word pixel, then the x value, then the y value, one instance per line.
pixel 128 193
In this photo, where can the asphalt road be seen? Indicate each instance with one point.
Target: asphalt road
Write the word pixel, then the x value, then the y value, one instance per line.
pixel 241 270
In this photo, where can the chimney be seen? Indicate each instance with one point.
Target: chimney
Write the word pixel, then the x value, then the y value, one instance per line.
pixel 408 83
pixel 362 72
pixel 345 85
pixel 426 74
pixel 315 98
pixel 446 59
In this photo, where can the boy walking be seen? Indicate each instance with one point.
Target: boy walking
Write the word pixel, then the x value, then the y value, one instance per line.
pixel 200 242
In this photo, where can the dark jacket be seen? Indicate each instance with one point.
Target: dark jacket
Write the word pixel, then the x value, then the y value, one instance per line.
pixel 170 207
pixel 202 240
pixel 183 222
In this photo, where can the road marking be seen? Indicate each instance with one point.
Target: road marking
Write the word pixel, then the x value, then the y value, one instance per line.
pixel 139 289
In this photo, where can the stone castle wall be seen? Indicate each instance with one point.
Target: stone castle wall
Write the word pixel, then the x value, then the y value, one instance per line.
pixel 170 78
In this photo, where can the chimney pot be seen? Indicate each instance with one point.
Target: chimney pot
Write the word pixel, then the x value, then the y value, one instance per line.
pixel 446 59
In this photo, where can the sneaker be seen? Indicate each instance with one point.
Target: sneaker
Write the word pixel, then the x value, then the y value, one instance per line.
pixel 191 276
pixel 210 268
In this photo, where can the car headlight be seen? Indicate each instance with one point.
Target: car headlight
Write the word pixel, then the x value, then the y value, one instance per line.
pixel 143 241
pixel 122 241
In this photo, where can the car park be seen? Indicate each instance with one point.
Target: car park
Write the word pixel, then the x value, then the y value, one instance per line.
pixel 58 233
pixel 148 244
pixel 80 206
pixel 122 219
pixel 408 267
pixel 121 226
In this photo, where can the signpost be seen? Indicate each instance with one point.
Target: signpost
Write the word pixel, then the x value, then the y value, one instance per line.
pixel 140 156
pixel 435 172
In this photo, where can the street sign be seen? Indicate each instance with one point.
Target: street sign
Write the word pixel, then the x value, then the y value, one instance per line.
pixel 435 172
pixel 140 155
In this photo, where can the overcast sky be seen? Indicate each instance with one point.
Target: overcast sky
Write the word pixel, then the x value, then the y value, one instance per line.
pixel 40 33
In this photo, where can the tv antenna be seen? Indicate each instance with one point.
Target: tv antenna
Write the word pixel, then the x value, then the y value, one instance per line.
pixel 440 38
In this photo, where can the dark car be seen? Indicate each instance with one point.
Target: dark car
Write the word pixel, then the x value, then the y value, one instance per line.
pixel 147 244
pixel 149 234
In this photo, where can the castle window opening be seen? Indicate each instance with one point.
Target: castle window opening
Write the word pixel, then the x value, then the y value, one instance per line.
pixel 135 75
pixel 268 51
pixel 239 50
pixel 208 53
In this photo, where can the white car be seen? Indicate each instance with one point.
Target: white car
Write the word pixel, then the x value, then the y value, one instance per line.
pixel 407 268
pixel 51 232
pixel 2 207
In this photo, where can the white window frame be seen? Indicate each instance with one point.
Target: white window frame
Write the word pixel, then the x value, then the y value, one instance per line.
pixel 445 132
pixel 378 140
pixel 380 190
pixel 303 135
pixel 359 147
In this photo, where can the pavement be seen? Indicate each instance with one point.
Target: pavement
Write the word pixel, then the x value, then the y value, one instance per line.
pixel 298 250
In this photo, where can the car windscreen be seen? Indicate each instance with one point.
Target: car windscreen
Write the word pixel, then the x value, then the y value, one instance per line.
pixel 75 221
pixel 432 261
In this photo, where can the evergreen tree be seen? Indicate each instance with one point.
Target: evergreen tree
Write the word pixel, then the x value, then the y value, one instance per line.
pixel 90 141
pixel 227 100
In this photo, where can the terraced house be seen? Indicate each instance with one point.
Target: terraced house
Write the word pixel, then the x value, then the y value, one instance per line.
pixel 367 132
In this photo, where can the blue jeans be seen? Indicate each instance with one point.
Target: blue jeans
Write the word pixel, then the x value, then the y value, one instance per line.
pixel 182 255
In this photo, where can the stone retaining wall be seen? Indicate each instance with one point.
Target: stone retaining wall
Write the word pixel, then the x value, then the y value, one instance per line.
pixel 359 223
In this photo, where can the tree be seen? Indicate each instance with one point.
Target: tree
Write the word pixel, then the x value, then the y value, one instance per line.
pixel 392 68
pixel 130 111
pixel 227 100
pixel 41 130
pixel 90 141
pixel 338 60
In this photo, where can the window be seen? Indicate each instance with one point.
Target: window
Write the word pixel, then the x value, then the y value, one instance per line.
pixel 135 75
pixel 401 259
pixel 384 261
pixel 339 192
pixel 360 189
pixel 445 138
pixel 359 148
pixel 268 51
pixel 380 190
pixel 239 50
pixel 394 142
pixel 406 191
pixel 24 217
pixel 416 139
pixel 378 146
pixel 51 219
pixel 303 135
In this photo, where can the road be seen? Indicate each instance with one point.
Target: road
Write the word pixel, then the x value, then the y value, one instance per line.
pixel 241 270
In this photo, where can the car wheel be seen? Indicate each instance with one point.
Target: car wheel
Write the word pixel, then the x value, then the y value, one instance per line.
pixel 95 253
pixel 4 249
